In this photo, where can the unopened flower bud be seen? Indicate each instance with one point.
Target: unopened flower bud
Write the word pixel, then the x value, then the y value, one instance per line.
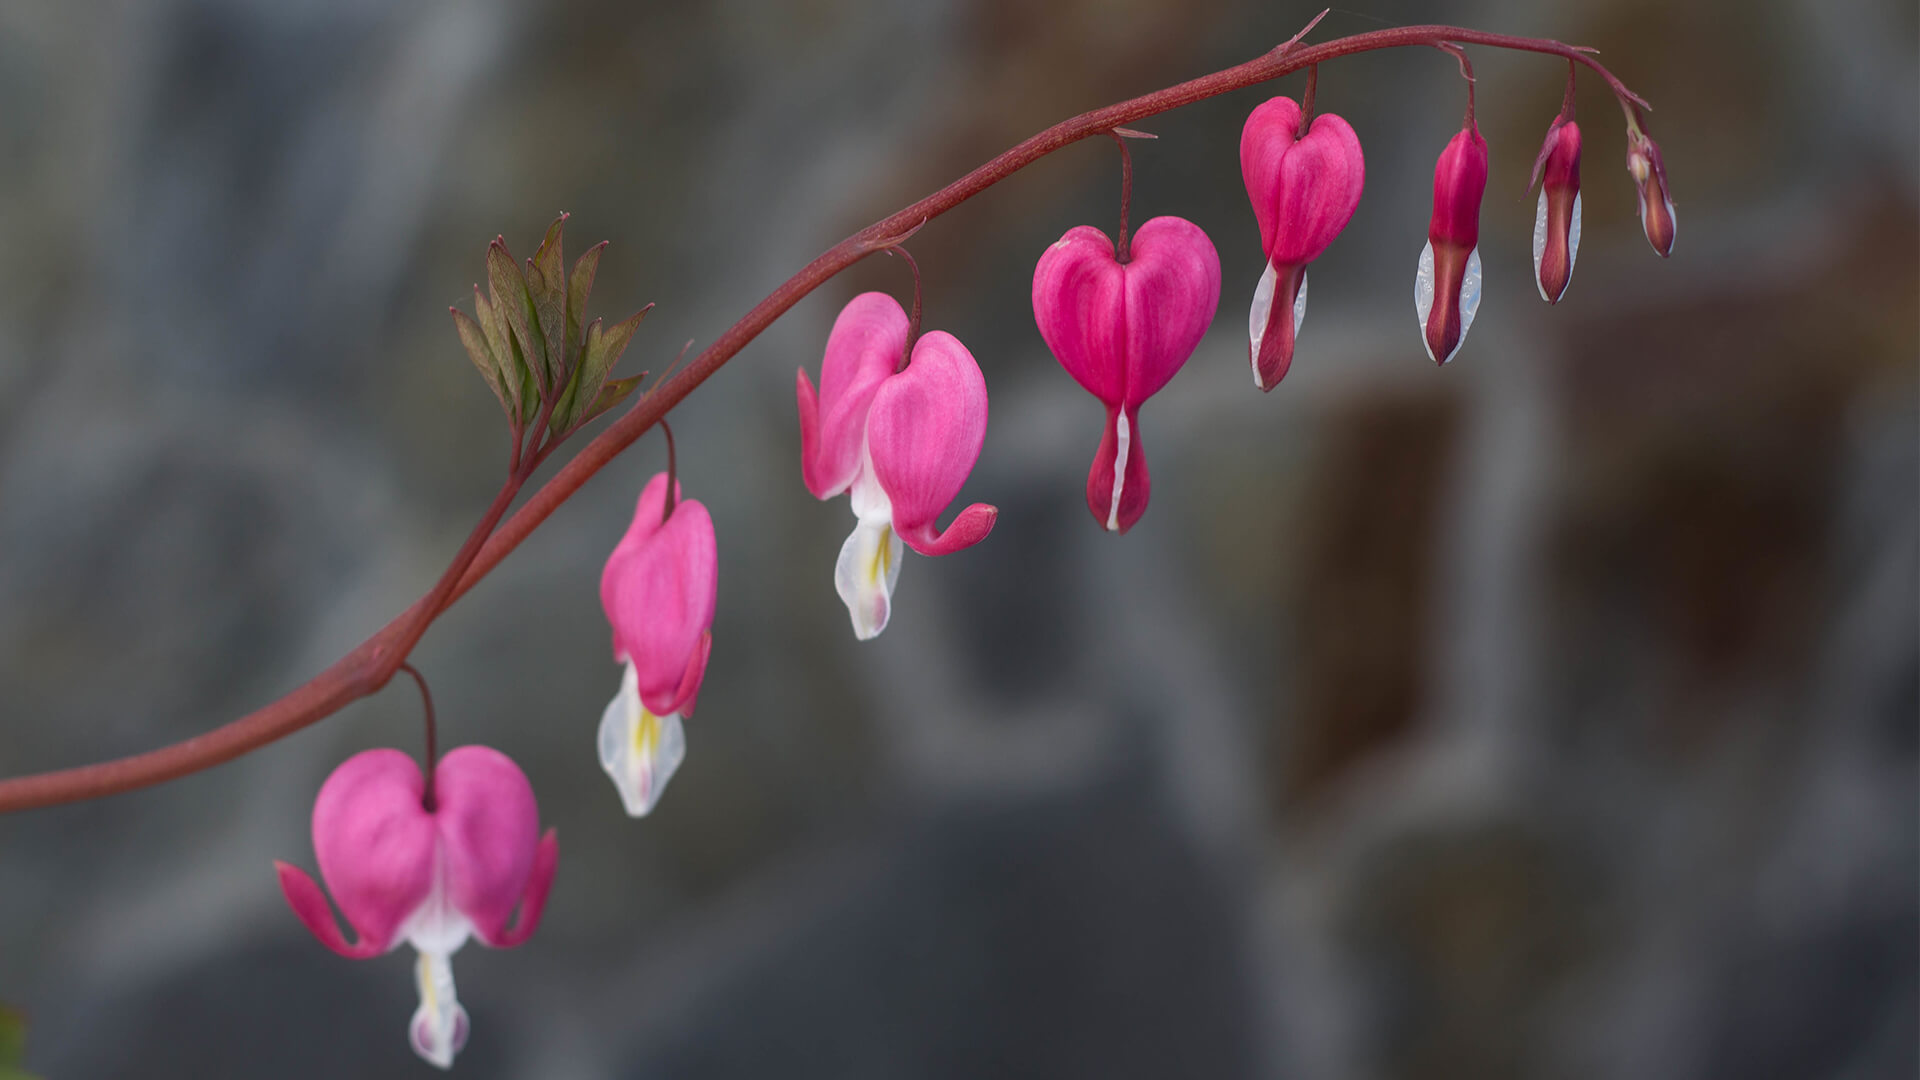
pixel 1446 291
pixel 1556 222
pixel 1650 176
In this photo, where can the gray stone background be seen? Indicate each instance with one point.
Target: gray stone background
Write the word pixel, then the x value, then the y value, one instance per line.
pixel 1552 715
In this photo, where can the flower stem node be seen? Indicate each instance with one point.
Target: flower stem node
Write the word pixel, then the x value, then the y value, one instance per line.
pixel 1304 187
pixel 659 589
pixel 432 878
pixel 1446 290
pixel 1122 330
pixel 900 444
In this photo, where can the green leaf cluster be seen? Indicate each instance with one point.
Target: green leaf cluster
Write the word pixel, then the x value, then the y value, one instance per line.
pixel 527 338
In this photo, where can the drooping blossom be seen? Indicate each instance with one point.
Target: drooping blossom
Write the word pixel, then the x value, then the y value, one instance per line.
pixel 899 443
pixel 430 874
pixel 1446 290
pixel 658 588
pixel 1122 329
pixel 1649 174
pixel 1556 221
pixel 1304 190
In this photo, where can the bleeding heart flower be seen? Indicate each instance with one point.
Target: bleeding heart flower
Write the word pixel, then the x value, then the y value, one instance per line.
pixel 1649 174
pixel 658 589
pixel 900 444
pixel 1446 291
pixel 1304 190
pixel 1556 223
pixel 430 874
pixel 1122 330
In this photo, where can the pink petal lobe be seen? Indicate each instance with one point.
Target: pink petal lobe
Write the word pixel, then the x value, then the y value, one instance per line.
pixel 1172 293
pixel 374 842
pixel 689 692
pixel 1079 302
pixel 661 601
pixel 1265 140
pixel 1459 180
pixel 489 827
pixel 809 404
pixel 1303 191
pixel 1120 458
pixel 646 522
pixel 864 348
pixel 310 904
pixel 924 433
pixel 533 902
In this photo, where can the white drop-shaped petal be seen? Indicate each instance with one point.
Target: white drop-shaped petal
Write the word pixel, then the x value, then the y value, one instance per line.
pixel 1573 239
pixel 638 750
pixel 1469 297
pixel 1257 321
pixel 865 574
pixel 1540 244
pixel 1123 443
pixel 1423 288
pixel 439 1026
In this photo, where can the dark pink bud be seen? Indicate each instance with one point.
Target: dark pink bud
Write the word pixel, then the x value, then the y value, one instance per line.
pixel 1650 176
pixel 1304 190
pixel 1446 291
pixel 1556 222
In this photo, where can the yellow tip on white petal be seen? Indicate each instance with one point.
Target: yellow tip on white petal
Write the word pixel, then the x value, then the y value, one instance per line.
pixel 865 574
pixel 638 750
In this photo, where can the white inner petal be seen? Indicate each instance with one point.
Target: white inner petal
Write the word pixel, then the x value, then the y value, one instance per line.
pixel 1540 242
pixel 638 750
pixel 866 572
pixel 1469 297
pixel 1300 305
pixel 868 499
pixel 1423 288
pixel 1124 440
pixel 439 1026
pixel 437 929
pixel 1257 318
pixel 1573 238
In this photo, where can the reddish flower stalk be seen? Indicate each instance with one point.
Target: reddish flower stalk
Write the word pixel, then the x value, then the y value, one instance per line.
pixel 371 664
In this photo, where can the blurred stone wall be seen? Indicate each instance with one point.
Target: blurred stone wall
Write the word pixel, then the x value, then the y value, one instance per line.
pixel 1551 715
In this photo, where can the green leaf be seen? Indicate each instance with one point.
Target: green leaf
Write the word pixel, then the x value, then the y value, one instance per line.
pixel 579 286
pixel 513 375
pixel 547 284
pixel 514 305
pixel 567 404
pixel 529 391
pixel 478 351
pixel 613 393
pixel 602 352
